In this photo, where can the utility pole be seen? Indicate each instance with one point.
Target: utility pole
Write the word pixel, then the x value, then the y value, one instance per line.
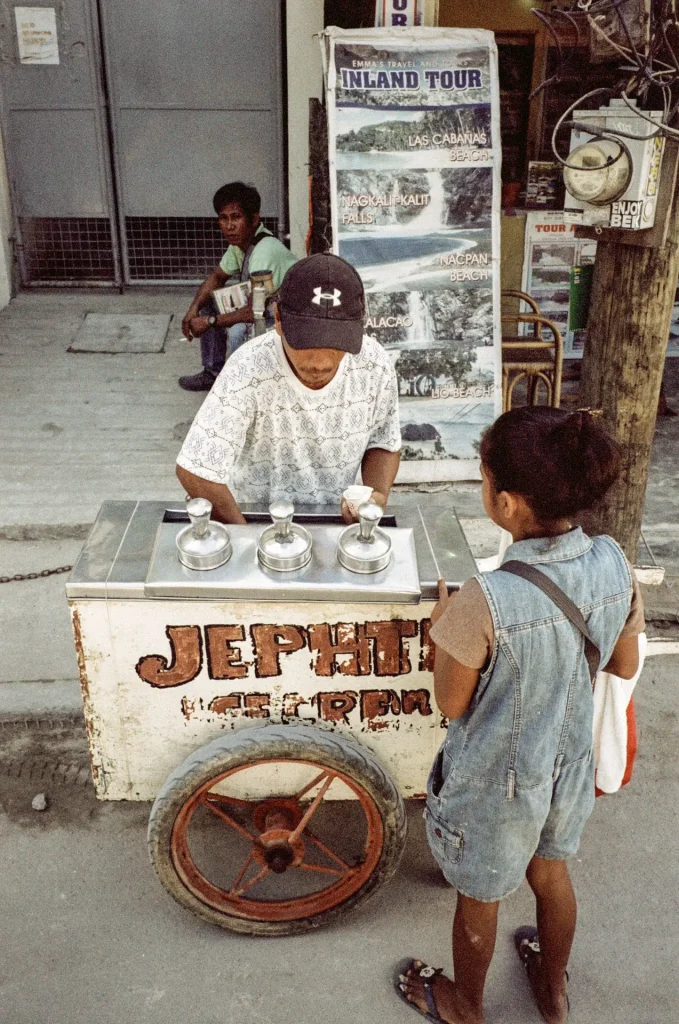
pixel 634 284
pixel 622 368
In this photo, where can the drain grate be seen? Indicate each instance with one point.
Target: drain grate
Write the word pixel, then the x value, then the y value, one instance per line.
pixel 162 249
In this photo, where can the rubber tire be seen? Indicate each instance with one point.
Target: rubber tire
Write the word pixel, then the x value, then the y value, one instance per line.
pixel 287 742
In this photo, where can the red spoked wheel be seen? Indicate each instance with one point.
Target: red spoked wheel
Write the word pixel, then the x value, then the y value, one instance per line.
pixel 276 830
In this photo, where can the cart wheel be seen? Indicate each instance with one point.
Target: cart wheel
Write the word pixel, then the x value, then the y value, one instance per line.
pixel 276 830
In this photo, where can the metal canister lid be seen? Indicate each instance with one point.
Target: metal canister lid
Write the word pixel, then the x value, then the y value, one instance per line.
pixel 203 544
pixel 363 547
pixel 284 546
pixel 263 277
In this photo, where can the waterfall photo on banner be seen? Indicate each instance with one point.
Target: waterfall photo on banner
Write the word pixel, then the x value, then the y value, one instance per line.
pixel 414 140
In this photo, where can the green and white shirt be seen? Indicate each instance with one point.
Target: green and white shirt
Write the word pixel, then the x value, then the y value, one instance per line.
pixel 268 254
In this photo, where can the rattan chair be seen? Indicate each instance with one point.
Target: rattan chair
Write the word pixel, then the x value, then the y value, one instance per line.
pixel 533 356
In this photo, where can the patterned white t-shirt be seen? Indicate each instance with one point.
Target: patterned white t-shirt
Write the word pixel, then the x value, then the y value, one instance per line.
pixel 267 436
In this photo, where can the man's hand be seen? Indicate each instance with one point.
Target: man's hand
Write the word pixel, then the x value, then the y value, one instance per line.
pixel 193 325
pixel 197 326
pixel 444 600
pixel 350 514
pixel 191 314
pixel 224 507
pixel 217 279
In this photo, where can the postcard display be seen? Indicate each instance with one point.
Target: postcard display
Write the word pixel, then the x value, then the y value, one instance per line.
pixel 551 252
pixel 552 256
pixel 414 140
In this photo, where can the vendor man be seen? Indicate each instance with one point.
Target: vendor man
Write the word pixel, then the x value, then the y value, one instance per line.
pixel 251 248
pixel 298 411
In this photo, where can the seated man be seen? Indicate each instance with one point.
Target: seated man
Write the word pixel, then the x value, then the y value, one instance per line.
pixel 251 248
pixel 299 410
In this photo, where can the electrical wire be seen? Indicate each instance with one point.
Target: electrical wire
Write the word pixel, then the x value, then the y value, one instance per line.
pixel 610 133
pixel 569 17
pixel 653 62
pixel 663 129
pixel 628 34
pixel 560 122
pixel 670 48
pixel 541 16
pixel 602 35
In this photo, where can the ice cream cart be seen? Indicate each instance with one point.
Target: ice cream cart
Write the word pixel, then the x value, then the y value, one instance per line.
pixel 269 686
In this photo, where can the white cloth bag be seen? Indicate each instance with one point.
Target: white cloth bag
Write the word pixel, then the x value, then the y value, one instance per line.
pixel 611 697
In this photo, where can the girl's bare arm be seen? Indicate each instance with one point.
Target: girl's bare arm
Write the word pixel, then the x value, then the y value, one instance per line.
pixel 454 684
pixel 625 658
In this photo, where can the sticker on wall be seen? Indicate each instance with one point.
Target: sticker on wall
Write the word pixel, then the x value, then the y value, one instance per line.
pixel 37 35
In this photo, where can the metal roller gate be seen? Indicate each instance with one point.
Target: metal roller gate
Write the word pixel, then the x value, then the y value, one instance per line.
pixel 114 152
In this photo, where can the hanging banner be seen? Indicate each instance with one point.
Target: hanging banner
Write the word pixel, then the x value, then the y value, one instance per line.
pixel 414 149
pixel 392 13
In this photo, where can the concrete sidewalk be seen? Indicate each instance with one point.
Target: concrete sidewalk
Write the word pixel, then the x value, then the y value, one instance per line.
pixel 80 427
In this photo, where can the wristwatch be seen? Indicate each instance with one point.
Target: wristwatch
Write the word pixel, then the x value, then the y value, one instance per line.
pixel 211 321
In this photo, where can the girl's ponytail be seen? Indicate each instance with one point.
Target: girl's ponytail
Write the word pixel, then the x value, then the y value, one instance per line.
pixel 591 459
pixel 577 432
pixel 569 433
pixel 561 463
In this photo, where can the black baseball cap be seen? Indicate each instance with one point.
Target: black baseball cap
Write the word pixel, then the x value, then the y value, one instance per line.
pixel 322 304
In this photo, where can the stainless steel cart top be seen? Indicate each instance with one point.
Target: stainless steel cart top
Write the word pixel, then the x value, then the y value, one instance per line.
pixel 115 560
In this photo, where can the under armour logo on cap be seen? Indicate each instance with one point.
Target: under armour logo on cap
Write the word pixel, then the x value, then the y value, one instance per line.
pixel 321 304
pixel 321 296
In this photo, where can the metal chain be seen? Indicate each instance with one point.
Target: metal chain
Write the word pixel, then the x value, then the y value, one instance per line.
pixel 35 575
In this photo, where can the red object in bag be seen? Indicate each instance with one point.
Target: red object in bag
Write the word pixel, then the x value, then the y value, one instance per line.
pixel 631 747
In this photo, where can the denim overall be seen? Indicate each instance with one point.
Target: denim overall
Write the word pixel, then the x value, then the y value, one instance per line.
pixel 515 775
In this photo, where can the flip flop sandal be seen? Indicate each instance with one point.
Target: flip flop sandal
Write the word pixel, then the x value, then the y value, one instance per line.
pixel 427 974
pixel 527 943
pixel 527 946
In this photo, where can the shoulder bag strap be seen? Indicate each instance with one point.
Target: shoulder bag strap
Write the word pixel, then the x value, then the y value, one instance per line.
pixel 562 601
pixel 245 269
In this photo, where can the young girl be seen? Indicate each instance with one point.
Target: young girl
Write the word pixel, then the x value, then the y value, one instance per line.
pixel 513 783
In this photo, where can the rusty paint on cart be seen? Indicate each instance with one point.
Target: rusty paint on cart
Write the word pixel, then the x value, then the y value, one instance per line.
pixel 333 706
pixel 90 718
pixel 158 685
